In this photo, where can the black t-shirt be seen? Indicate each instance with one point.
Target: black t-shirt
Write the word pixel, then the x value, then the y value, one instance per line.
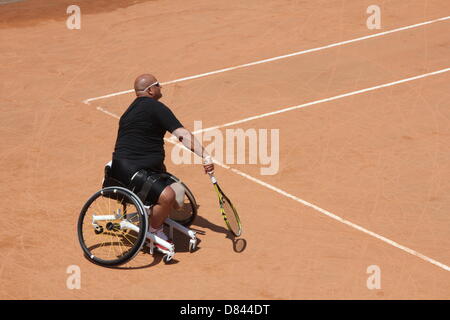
pixel 141 131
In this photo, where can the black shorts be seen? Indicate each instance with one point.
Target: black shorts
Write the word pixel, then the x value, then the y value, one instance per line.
pixel 124 169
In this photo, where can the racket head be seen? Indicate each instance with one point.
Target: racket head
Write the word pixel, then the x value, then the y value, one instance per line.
pixel 229 213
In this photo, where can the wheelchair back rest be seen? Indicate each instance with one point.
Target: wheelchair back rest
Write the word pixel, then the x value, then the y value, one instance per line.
pixel 109 181
pixel 140 183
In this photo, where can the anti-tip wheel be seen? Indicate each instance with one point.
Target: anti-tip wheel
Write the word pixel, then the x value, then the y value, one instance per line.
pixel 98 230
pixel 167 258
pixel 192 245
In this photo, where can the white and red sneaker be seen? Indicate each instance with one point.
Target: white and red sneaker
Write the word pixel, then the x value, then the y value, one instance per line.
pixel 160 234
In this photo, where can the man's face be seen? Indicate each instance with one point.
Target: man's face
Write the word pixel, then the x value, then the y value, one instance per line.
pixel 155 91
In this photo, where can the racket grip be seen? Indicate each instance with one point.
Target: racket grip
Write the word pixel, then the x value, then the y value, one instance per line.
pixel 213 179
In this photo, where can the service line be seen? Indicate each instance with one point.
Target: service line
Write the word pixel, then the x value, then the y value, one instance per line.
pixel 340 96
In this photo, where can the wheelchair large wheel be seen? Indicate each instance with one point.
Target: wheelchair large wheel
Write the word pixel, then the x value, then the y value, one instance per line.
pixel 112 226
pixel 187 213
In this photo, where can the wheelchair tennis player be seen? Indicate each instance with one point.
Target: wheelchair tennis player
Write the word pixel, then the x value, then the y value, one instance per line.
pixel 139 149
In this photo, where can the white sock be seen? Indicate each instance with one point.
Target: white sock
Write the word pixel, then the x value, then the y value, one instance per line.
pixel 153 230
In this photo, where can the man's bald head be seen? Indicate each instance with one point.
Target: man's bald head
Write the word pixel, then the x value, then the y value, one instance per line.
pixel 144 81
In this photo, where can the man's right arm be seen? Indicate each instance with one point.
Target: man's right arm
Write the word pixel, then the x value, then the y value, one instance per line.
pixel 191 142
pixel 169 122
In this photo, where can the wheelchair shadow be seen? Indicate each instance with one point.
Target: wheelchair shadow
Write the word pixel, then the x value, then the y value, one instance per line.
pixel 134 265
pixel 137 264
pixel 182 245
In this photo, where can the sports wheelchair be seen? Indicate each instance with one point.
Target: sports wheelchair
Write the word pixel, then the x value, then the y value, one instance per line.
pixel 113 224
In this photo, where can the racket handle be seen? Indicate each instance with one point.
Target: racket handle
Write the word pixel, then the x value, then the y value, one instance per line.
pixel 213 179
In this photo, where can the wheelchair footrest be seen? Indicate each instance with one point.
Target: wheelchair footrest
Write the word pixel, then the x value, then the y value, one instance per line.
pixel 167 248
pixel 162 246
pixel 188 232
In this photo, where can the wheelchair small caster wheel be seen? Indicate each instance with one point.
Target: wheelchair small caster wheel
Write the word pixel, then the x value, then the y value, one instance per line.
pixel 98 230
pixel 167 258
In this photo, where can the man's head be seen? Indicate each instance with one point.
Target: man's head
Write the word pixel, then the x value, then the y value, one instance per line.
pixel 146 85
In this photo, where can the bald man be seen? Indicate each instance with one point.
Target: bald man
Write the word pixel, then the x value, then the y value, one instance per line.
pixel 140 145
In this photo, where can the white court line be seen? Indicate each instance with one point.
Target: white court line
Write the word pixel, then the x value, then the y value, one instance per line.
pixel 331 215
pixel 324 100
pixel 108 113
pixel 87 101
pixel 344 221
pixel 172 139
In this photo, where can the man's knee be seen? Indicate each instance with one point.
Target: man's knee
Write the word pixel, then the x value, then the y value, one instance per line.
pixel 167 196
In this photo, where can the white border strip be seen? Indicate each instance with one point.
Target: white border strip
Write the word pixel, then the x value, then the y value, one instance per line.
pixel 108 113
pixel 87 101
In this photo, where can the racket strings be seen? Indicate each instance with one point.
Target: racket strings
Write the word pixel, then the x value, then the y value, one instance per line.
pixel 231 216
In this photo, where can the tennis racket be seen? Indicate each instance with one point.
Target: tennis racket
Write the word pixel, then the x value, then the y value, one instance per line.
pixel 227 209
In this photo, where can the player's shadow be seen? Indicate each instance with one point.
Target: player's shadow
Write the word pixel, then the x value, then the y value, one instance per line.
pixel 182 245
pixel 137 262
pixel 180 241
pixel 205 223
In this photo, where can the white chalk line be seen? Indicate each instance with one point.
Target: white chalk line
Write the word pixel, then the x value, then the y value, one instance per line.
pixel 304 105
pixel 263 115
pixel 308 104
pixel 344 221
pixel 330 214
pixel 108 113
pixel 87 101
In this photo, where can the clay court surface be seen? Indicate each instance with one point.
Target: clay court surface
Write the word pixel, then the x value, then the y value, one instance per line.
pixel 379 160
